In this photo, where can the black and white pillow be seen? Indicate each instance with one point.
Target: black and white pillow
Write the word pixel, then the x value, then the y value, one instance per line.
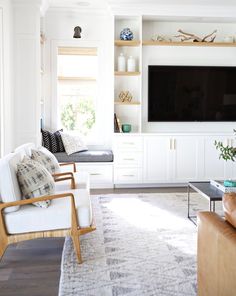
pixel 46 159
pixel 52 141
pixel 34 181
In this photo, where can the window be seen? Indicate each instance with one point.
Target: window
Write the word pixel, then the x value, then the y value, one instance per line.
pixel 77 89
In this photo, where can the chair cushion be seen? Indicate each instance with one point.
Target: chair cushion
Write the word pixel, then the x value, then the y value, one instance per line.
pixel 9 187
pixel 81 182
pixel 229 206
pixel 86 156
pixel 52 141
pixel 73 144
pixel 46 159
pixel 34 181
pixel 57 216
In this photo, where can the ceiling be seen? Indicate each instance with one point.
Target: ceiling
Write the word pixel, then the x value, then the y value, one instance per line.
pixel 119 3
pixel 83 4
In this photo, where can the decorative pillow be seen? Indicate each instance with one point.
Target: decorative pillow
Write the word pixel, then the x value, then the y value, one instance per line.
pixel 46 159
pixel 35 181
pixel 52 141
pixel 73 144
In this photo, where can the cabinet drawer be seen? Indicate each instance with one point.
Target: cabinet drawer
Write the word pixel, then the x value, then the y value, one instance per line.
pixel 128 175
pixel 128 143
pixel 99 174
pixel 128 158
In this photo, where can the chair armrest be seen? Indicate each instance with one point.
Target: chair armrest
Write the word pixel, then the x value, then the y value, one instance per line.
pixel 65 176
pixel 69 163
pixel 35 199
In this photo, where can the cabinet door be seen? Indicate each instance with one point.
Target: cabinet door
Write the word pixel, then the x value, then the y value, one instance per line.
pixel 186 158
pixel 156 159
pixel 215 168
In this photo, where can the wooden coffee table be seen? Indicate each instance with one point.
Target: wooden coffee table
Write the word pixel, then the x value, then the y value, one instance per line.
pixel 205 189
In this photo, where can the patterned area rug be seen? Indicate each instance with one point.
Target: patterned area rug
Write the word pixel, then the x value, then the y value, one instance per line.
pixel 143 245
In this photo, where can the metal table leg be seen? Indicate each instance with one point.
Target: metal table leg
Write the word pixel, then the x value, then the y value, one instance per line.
pixel 188 190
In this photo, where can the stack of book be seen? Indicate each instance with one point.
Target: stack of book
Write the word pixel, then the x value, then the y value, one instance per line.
pixel 220 185
pixel 117 125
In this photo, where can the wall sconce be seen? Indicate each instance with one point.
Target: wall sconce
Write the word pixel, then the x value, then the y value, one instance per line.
pixel 77 32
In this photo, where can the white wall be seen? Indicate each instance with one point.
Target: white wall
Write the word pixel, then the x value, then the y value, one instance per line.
pixel 97 30
pixel 174 55
pixel 27 80
pixel 6 81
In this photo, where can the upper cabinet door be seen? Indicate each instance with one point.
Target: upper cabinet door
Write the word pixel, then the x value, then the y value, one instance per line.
pixel 156 159
pixel 214 167
pixel 186 158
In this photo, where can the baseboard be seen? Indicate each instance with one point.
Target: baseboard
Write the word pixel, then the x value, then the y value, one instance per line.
pixel 160 185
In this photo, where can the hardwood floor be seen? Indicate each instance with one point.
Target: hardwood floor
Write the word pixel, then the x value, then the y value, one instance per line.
pixel 33 267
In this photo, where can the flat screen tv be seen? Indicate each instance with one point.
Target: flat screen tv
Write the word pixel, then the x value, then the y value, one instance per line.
pixel 191 93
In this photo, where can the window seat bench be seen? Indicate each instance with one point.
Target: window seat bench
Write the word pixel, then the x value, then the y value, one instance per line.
pixel 86 156
pixel 98 163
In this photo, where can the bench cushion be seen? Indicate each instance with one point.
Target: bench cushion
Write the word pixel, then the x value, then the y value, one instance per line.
pixel 58 216
pixel 86 156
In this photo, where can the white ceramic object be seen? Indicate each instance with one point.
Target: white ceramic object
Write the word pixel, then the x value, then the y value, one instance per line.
pixel 131 64
pixel 121 63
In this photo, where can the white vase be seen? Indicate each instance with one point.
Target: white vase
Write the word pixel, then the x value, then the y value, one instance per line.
pixel 121 63
pixel 131 64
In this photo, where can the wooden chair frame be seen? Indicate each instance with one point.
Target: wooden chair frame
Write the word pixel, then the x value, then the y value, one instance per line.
pixel 75 232
pixel 69 163
pixel 66 175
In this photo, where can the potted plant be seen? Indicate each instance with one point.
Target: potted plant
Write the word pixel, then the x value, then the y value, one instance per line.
pixel 226 152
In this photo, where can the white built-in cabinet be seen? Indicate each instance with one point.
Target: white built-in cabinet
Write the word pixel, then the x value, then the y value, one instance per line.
pixel 163 158
pixel 171 158
pixel 157 159
pixel 186 158
pixel 217 169
pixel 155 153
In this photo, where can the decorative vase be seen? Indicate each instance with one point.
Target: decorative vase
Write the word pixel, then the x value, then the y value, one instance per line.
pixel 131 64
pixel 121 63
pixel 126 34
pixel 126 128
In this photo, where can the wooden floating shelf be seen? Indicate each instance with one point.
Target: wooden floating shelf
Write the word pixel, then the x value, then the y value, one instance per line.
pixel 127 103
pixel 127 42
pixel 179 43
pixel 117 73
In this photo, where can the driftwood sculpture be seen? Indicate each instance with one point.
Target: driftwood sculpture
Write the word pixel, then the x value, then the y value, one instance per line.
pixel 188 36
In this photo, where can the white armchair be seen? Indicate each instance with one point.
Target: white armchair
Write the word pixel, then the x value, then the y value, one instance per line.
pixel 70 212
pixel 67 171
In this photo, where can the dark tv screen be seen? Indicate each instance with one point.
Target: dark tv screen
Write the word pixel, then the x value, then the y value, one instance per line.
pixel 191 93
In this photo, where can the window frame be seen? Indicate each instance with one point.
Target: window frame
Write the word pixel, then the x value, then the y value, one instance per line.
pixel 54 112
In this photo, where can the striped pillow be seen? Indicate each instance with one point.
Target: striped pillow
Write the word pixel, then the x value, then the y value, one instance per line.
pixel 52 141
